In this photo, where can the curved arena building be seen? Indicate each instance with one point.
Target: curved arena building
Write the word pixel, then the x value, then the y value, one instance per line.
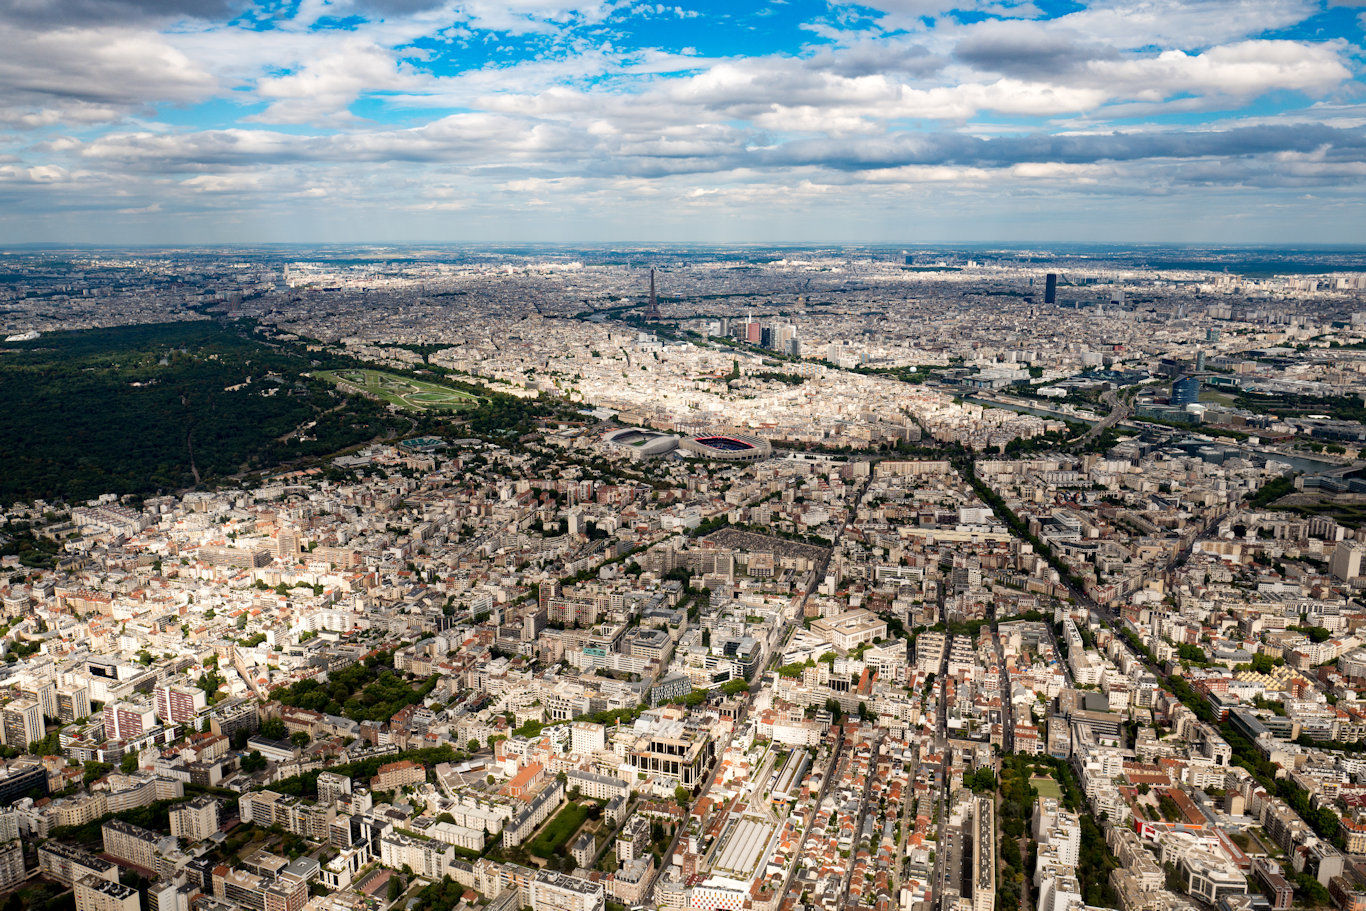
pixel 726 445
pixel 640 443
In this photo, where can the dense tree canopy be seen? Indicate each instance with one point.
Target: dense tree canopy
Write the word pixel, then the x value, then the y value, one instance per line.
pixel 362 692
pixel 136 409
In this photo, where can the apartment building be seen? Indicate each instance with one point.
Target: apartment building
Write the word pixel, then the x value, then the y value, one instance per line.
pixel 131 844
pixel 427 857
pixel 520 827
pixel 553 891
pixel 95 894
pixel 333 787
pixel 12 871
pixel 398 775
pixel 67 864
pixel 126 720
pixel 586 737
pixel 21 723
pixel 73 703
pixel 177 705
pixel 598 787
pixel 195 820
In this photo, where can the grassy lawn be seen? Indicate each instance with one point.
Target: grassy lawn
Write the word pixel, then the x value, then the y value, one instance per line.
pixel 551 840
pixel 1209 396
pixel 401 391
pixel 1047 787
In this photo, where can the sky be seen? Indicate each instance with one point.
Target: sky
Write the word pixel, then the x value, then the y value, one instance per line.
pixel 726 121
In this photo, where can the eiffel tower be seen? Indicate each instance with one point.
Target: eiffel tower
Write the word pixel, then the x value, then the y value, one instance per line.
pixel 652 313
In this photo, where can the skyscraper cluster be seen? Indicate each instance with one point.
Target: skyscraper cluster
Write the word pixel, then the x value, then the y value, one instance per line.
pixel 779 337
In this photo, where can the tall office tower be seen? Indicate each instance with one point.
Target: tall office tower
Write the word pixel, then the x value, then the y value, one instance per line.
pixel 1050 288
pixel 21 722
pixel 753 333
pixel 1200 361
pixel 1186 391
pixel 1211 335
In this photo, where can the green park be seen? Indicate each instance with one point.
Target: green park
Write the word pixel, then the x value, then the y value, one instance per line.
pixel 402 391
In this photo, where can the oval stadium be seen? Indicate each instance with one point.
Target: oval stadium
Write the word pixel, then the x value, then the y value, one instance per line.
pixel 640 443
pixel 727 446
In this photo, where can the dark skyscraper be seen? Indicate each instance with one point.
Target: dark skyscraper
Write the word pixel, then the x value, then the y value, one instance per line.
pixel 1050 289
pixel 1186 391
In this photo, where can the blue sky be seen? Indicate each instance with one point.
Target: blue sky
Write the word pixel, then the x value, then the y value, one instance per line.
pixel 211 121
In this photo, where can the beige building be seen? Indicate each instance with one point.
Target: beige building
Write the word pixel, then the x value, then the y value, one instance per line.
pixel 131 844
pixel 21 723
pixel 1346 562
pixel 552 891
pixel 11 865
pixel 849 630
pixel 398 775
pixel 195 820
pixel 66 864
pixel 95 894
pixel 425 856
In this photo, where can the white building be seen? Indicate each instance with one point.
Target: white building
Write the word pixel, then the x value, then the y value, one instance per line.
pixel 552 891
pixel 425 856
pixel 586 737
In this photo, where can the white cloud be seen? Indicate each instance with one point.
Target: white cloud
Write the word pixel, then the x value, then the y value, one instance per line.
pixel 1133 24
pixel 324 88
pixel 1244 70
pixel 96 68
pixel 592 123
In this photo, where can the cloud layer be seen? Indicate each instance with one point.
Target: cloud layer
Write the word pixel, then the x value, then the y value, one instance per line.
pixel 214 120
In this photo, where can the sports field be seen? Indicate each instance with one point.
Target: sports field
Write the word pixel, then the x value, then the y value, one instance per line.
pixel 401 391
pixel 1047 787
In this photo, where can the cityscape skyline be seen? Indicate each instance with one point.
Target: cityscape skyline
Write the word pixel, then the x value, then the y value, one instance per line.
pixel 214 122
pixel 653 578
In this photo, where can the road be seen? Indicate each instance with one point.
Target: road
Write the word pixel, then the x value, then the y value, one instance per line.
pixel 1119 410
pixel 1007 715
pixel 1181 556
pixel 863 808
pixel 941 740
pixel 797 611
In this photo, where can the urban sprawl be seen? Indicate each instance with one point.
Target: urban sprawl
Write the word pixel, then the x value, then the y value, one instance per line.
pixel 824 581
